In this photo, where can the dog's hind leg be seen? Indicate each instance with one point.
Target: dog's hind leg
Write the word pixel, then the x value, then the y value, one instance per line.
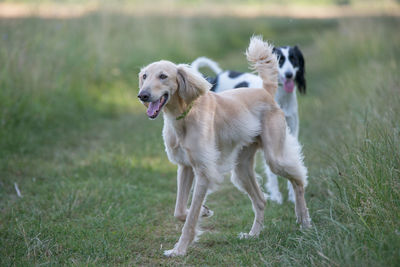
pixel 244 178
pixel 283 155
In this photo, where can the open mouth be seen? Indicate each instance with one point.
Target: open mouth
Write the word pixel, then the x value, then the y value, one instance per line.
pixel 288 85
pixel 155 107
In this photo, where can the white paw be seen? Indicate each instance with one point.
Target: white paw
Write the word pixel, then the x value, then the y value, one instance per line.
pixel 173 253
pixel 305 223
pixel 245 236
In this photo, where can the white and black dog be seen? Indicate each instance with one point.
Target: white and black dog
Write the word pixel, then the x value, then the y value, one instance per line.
pixel 291 75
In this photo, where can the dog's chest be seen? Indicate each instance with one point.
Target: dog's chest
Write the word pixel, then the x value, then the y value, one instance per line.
pixel 287 102
pixel 175 152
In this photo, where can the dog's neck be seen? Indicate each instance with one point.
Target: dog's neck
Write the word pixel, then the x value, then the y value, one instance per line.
pixel 176 108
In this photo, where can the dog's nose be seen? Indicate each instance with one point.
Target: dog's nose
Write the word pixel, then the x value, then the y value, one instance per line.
pixel 288 74
pixel 144 96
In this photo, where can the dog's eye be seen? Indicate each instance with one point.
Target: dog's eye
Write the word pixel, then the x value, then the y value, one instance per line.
pixel 281 60
pixel 144 76
pixel 163 76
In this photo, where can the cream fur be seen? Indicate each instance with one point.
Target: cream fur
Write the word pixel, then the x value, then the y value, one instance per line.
pixel 261 58
pixel 221 134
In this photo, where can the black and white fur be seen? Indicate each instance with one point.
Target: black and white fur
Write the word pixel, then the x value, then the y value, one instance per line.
pixel 291 71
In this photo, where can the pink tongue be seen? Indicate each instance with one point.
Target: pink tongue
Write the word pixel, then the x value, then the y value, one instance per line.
pixel 288 86
pixel 153 108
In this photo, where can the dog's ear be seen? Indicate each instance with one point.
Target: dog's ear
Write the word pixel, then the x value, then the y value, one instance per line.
pixel 190 84
pixel 300 75
pixel 274 50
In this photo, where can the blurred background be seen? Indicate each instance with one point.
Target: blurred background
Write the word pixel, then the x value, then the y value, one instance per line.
pixel 59 57
pixel 96 186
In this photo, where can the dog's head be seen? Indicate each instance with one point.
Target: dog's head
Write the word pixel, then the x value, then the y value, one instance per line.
pixel 162 81
pixel 291 68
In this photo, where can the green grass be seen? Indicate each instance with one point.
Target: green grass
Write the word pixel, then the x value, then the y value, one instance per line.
pixel 97 186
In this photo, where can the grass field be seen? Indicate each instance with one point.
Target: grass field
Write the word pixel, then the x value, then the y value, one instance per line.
pixel 98 189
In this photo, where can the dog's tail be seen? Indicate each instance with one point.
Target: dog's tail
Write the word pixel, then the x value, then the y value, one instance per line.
pixel 206 62
pixel 264 62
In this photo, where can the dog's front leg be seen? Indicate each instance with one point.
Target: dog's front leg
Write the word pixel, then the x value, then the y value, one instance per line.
pixel 185 181
pixel 189 229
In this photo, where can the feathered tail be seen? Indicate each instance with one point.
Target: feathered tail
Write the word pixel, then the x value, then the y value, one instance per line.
pixel 264 62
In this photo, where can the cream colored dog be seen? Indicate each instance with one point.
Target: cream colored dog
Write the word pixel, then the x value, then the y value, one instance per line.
pixel 208 135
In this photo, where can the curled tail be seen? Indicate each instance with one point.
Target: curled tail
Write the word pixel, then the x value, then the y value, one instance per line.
pixel 206 62
pixel 264 62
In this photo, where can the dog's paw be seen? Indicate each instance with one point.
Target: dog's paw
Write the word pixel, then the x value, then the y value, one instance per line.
pixel 206 212
pixel 305 226
pixel 304 223
pixel 173 253
pixel 246 236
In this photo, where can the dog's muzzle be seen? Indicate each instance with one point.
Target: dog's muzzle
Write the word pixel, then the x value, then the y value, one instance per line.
pixel 144 96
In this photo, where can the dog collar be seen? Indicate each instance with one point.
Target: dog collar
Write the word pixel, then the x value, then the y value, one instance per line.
pixel 184 113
